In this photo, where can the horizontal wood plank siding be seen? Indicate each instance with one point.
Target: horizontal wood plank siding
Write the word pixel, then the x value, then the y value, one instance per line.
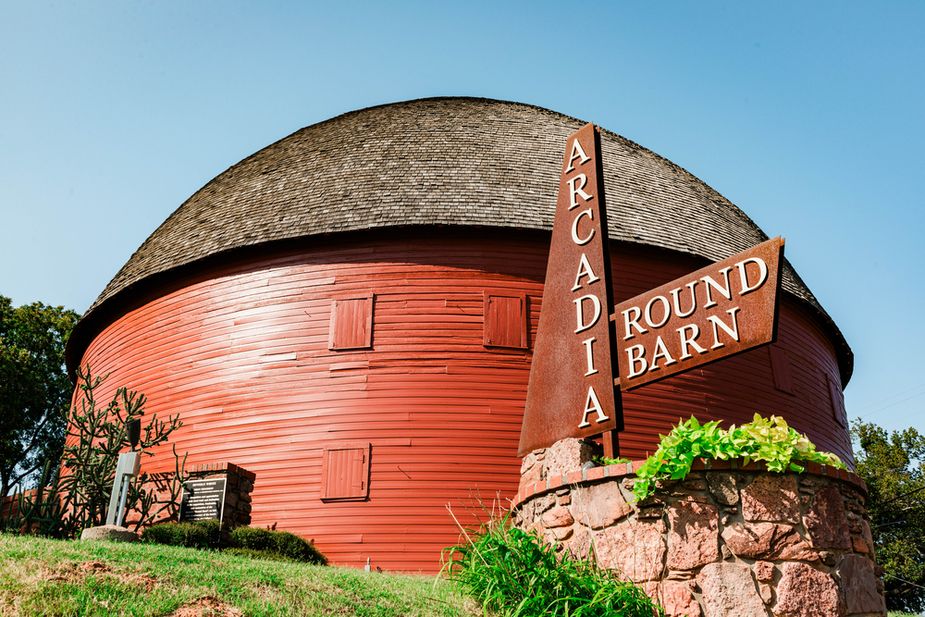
pixel 242 355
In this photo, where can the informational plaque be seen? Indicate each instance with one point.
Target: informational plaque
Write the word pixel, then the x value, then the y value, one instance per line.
pixel 203 499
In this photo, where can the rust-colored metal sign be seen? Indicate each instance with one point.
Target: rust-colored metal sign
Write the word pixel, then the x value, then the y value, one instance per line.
pixel 723 309
pixel 571 392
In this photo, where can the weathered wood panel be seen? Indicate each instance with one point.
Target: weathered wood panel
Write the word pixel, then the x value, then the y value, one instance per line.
pixel 241 352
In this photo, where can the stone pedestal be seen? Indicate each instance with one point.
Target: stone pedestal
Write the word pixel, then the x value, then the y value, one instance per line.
pixel 728 540
pixel 113 533
pixel 238 486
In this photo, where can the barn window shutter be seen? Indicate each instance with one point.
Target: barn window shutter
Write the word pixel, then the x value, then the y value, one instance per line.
pixel 345 472
pixel 838 401
pixel 505 320
pixel 780 369
pixel 351 323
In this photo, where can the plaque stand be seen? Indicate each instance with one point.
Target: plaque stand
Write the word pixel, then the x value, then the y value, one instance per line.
pixel 219 491
pixel 127 467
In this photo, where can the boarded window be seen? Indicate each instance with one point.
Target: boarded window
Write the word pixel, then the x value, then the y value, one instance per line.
pixel 505 320
pixel 345 472
pixel 351 323
pixel 838 401
pixel 780 369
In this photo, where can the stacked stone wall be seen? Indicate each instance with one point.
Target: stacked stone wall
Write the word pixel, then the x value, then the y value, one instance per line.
pixel 729 539
pixel 238 486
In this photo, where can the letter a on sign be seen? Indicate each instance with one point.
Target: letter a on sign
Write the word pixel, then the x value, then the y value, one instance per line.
pixel 571 392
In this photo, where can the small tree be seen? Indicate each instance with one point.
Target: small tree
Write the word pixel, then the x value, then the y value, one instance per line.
pixel 893 465
pixel 78 494
pixel 34 389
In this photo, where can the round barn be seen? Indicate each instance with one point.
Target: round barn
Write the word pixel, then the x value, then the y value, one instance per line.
pixel 350 313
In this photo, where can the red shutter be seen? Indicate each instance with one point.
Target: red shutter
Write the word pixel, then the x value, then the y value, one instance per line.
pixel 505 320
pixel 780 369
pixel 351 323
pixel 345 472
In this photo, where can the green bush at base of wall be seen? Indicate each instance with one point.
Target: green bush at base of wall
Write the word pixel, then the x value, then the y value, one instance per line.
pixel 249 541
pixel 201 534
pixel 280 543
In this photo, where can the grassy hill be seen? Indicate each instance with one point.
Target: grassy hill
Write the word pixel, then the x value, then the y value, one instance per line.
pixel 51 577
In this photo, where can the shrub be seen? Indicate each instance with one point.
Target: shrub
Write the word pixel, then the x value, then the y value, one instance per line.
pixel 252 538
pixel 201 534
pixel 292 546
pixel 768 440
pixel 246 541
pixel 280 543
pixel 516 574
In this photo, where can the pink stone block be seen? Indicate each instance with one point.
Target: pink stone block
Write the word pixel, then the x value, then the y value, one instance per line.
pixel 599 505
pixel 772 498
pixel 804 591
pixel 767 541
pixel 693 535
pixel 677 600
pixel 826 521
pixel 557 517
pixel 859 585
pixel 728 589
pixel 636 550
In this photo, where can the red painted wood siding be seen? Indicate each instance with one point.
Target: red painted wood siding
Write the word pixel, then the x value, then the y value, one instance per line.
pixel 241 353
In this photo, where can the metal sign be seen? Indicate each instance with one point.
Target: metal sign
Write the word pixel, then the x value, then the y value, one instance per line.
pixel 203 499
pixel 571 391
pixel 718 311
pixel 723 309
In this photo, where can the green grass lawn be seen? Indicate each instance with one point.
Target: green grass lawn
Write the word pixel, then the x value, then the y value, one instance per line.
pixel 52 577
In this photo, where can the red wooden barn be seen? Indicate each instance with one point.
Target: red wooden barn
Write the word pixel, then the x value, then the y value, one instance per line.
pixel 350 312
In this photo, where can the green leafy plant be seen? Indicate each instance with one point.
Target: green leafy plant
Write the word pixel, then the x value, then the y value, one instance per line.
pixel 279 543
pixel 38 511
pixel 73 493
pixel 200 534
pixel 768 440
pixel 247 541
pixel 515 574
pixel 96 435
pixel 620 460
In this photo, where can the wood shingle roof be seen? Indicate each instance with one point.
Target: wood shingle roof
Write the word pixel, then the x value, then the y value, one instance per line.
pixel 442 161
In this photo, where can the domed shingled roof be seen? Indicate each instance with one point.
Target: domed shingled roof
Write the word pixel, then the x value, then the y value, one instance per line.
pixel 440 161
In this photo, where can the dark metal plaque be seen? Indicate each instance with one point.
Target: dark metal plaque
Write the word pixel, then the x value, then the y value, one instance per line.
pixel 716 312
pixel 571 392
pixel 203 499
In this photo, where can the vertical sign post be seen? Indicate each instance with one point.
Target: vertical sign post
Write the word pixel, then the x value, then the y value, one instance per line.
pixel 127 467
pixel 718 311
pixel 571 391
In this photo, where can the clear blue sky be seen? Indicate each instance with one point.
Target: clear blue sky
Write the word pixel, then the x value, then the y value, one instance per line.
pixel 809 116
